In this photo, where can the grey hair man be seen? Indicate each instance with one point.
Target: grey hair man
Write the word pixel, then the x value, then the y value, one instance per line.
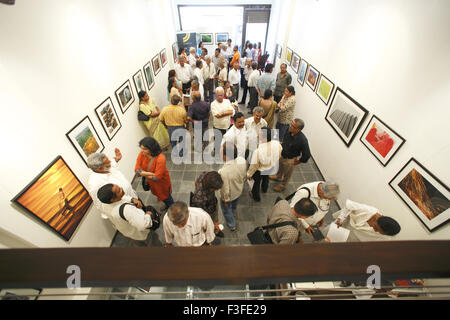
pixel 187 226
pixel 184 73
pixel 253 125
pixel 104 171
pixel 321 193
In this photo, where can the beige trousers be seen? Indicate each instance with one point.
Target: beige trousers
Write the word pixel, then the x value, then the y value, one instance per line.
pixel 285 171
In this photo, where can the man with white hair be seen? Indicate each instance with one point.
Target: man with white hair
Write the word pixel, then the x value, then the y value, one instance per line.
pixel 104 171
pixel 253 125
pixel 191 58
pixel 188 226
pixel 184 73
pixel 209 72
pixel 222 110
pixel 321 193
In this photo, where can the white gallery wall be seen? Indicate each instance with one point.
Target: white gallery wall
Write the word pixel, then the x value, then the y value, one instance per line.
pixel 59 59
pixel 391 56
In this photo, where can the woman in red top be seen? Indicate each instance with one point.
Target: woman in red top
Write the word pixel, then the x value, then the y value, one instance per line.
pixel 152 162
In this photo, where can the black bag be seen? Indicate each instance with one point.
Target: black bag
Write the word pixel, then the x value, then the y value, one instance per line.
pixel 145 184
pixel 142 116
pixel 260 236
pixel 289 197
pixel 156 217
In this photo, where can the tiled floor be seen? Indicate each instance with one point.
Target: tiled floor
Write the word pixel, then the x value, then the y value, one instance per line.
pixel 250 214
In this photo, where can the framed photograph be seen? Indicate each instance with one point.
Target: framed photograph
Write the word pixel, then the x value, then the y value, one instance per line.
pixel 207 38
pixel 139 82
pixel 148 75
pixel 288 56
pixel 163 56
pixel 156 65
pixel 125 96
pixel 302 72
pixel 325 89
pixel 312 75
pixel 381 140
pixel 221 37
pixel 345 116
pixel 175 52
pixel 56 198
pixel 279 50
pixel 108 118
pixel 295 62
pixel 85 139
pixel 423 193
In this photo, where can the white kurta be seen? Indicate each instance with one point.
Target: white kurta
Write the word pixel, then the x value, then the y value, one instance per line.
pixel 323 205
pixel 216 108
pixel 98 180
pixel 198 229
pixel 238 137
pixel 253 131
pixel 358 215
pixel 185 73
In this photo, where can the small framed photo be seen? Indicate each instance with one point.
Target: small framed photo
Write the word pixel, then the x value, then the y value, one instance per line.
pixel 125 96
pixel 207 38
pixel 288 56
pixel 295 62
pixel 163 57
pixel 175 52
pixel 156 65
pixel 312 75
pixel 325 89
pixel 381 140
pixel 85 139
pixel 148 75
pixel 302 72
pixel 423 193
pixel 345 116
pixel 108 118
pixel 279 50
pixel 221 37
pixel 139 82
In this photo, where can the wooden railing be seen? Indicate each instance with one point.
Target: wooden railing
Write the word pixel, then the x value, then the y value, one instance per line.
pixel 223 265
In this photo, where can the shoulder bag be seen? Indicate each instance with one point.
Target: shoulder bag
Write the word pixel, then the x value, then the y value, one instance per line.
pixel 260 236
pixel 156 217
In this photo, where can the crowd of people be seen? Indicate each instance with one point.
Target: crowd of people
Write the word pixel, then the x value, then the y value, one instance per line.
pixel 251 150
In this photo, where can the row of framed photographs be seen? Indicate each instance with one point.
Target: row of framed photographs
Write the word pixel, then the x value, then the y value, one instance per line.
pixel 207 38
pixel 83 135
pixel 418 188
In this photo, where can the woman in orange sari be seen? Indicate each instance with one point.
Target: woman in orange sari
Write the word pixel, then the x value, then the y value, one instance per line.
pixel 152 163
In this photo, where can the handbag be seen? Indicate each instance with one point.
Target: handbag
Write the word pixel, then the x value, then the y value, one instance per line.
pixel 260 236
pixel 142 116
pixel 145 184
pixel 156 217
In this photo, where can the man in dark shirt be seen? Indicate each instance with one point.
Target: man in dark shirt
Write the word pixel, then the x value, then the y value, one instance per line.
pixel 198 114
pixel 294 145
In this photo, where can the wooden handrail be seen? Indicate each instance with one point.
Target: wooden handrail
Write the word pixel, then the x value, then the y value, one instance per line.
pixel 223 265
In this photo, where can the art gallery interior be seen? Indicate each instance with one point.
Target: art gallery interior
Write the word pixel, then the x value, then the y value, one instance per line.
pixel 56 68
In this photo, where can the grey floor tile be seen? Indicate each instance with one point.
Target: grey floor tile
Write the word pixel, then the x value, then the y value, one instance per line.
pixel 190 175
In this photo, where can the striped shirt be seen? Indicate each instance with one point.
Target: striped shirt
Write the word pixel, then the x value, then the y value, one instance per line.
pixel 173 116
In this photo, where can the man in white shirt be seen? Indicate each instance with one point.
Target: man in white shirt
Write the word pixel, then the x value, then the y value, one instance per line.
pixel 209 72
pixel 237 134
pixel 263 162
pixel 233 175
pixel 234 77
pixel 105 171
pixel 249 51
pixel 191 58
pixel 223 72
pixel 133 223
pixel 184 73
pixel 222 110
pixel 188 226
pixel 366 223
pixel 321 193
pixel 224 51
pixel 252 80
pixel 253 125
pixel 198 73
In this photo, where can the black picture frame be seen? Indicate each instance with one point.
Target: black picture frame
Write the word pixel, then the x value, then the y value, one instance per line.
pixel 313 87
pixel 148 73
pixel 136 77
pixel 398 141
pixel 78 129
pixel 157 65
pixel 348 118
pixel 163 57
pixel 120 95
pixel 289 55
pixel 295 57
pixel 324 100
pixel 414 174
pixel 302 75
pixel 108 112
pixel 55 194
